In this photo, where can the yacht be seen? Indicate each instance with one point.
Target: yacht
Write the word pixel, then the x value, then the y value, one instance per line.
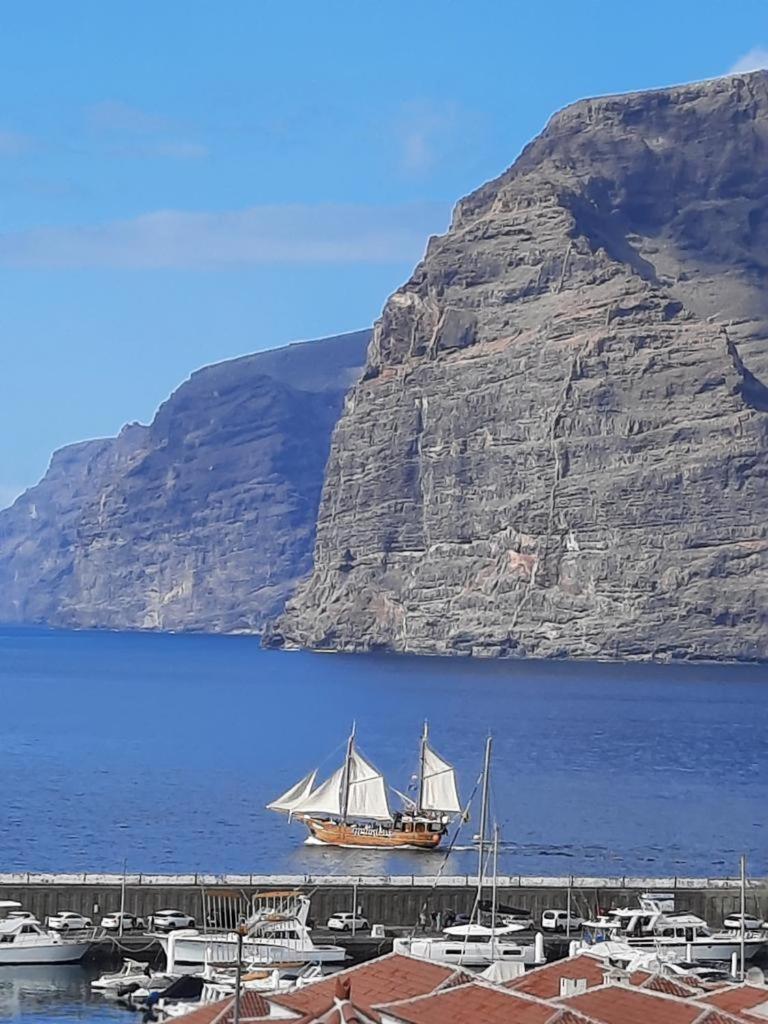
pixel 24 941
pixel 276 934
pixel 477 943
pixel 648 927
pixel 477 951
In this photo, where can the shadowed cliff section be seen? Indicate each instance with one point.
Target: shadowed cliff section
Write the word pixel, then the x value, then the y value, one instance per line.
pixel 203 520
pixel 559 446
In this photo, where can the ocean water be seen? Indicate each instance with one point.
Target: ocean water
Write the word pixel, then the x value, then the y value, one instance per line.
pixel 162 751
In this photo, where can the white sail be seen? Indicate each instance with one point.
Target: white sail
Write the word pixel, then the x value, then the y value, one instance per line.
pixel 326 799
pixel 288 801
pixel 438 789
pixel 367 791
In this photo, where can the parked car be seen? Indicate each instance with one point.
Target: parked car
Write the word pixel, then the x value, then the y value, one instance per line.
pixel 168 920
pixel 131 923
pixel 751 923
pixel 557 921
pixel 67 921
pixel 344 922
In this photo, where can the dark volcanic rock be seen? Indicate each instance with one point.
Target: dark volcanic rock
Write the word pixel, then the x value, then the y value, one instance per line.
pixel 203 520
pixel 560 443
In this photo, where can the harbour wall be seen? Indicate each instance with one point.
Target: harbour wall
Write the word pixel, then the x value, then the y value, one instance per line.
pixel 394 900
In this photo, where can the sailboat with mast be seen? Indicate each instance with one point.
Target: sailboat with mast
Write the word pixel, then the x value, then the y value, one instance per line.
pixel 351 808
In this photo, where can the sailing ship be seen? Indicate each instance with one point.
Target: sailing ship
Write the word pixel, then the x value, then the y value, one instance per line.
pixel 351 808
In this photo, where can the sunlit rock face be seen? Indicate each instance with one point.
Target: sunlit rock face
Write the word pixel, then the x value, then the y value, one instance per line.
pixel 559 446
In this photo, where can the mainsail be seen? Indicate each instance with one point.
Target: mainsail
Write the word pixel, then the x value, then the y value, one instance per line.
pixel 438 783
pixel 367 791
pixel 356 790
pixel 288 801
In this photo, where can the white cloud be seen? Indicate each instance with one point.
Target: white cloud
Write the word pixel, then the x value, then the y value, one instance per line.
pixel 425 130
pixel 309 234
pixel 755 60
pixel 13 144
pixel 133 132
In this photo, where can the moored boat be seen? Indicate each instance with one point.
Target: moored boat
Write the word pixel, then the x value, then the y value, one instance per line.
pixel 351 808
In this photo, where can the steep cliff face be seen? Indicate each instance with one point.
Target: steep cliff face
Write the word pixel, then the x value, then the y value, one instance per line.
pixel 559 446
pixel 203 520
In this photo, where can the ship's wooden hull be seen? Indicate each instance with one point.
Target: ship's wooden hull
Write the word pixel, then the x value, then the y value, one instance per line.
pixel 336 833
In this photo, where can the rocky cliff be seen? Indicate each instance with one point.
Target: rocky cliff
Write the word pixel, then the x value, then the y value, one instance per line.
pixel 559 446
pixel 205 519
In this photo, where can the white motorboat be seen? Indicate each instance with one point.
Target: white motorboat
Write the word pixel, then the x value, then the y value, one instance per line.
pixel 131 971
pixel 276 934
pixel 26 942
pixel 648 927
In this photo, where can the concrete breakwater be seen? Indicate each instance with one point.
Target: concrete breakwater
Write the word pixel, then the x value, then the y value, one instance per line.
pixel 391 900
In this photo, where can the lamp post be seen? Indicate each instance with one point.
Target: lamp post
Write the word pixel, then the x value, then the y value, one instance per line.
pixel 241 932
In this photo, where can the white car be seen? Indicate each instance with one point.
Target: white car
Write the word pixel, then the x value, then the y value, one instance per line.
pixel 66 921
pixel 131 923
pixel 557 921
pixel 751 923
pixel 345 922
pixel 169 920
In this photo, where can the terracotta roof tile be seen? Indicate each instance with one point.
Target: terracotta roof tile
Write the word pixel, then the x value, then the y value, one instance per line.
pixel 620 1004
pixel 737 998
pixel 544 982
pixel 469 1003
pixel 383 980
pixel 253 1007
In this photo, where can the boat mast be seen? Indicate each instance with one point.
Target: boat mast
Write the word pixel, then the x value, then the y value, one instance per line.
pixel 347 774
pixel 743 902
pixel 422 756
pixel 484 815
pixel 494 884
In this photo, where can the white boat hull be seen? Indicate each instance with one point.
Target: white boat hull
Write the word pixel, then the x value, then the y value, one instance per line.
pixel 711 949
pixel 196 950
pixel 51 953
pixel 468 954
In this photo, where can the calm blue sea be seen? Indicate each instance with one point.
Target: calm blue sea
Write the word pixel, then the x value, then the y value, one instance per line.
pixel 163 750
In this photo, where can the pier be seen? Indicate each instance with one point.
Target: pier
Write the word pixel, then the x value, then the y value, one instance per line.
pixel 391 900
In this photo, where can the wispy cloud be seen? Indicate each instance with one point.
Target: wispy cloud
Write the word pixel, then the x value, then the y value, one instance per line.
pixel 307 234
pixel 755 60
pixel 14 144
pixel 129 131
pixel 424 130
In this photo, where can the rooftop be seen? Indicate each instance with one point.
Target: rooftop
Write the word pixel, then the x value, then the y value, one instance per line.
pixel 544 982
pixel 388 978
pixel 475 1001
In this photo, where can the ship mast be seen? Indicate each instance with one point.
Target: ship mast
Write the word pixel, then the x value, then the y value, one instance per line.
pixel 484 815
pixel 345 782
pixel 422 755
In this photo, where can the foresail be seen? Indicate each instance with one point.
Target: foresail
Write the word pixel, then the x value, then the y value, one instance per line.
pixel 326 799
pixel 367 791
pixel 294 795
pixel 438 791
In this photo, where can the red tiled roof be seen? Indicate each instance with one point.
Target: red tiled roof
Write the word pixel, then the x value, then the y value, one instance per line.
pixel 620 1004
pixel 684 987
pixel 253 1007
pixel 473 1002
pixel 544 982
pixel 383 980
pixel 737 999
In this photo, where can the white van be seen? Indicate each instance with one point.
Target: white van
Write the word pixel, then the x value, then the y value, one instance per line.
pixel 557 921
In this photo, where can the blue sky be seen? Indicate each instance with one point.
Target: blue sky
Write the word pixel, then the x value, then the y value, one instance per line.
pixel 183 182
